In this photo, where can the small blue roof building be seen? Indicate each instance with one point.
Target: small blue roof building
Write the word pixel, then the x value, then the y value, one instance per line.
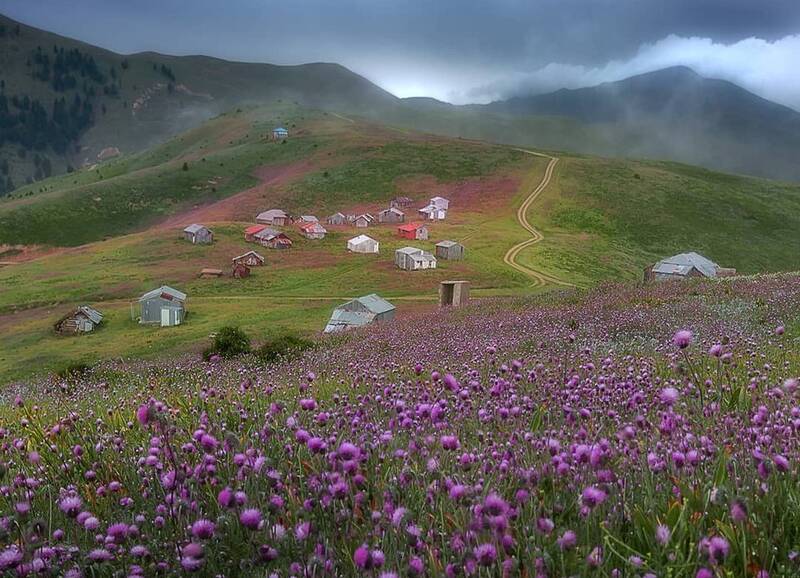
pixel 279 132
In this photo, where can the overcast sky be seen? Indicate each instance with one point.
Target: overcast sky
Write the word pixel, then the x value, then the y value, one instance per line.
pixel 458 50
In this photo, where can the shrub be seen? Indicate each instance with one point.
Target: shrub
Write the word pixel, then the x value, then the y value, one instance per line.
pixel 229 342
pixel 283 347
pixel 73 370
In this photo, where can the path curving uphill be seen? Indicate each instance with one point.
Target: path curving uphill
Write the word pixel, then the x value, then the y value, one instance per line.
pixel 510 258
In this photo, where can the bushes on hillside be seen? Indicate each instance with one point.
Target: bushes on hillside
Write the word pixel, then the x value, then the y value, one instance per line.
pixel 282 347
pixel 229 342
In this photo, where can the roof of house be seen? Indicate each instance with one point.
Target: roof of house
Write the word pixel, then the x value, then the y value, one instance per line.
pixel 410 227
pixel 683 263
pixel 164 289
pixel 393 210
pixel 403 200
pixel 447 244
pixel 308 218
pixel 438 199
pixel 313 226
pixel 93 314
pixel 267 233
pixel 337 214
pixel 271 214
pixel 409 250
pixel 366 216
pixel 194 228
pixel 360 239
pixel 422 256
pixel 342 319
pixel 279 129
pixel 431 209
pixel 375 303
pixel 253 229
pixel 256 255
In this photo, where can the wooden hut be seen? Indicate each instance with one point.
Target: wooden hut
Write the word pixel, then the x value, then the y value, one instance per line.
pixel 391 215
pixel 413 231
pixel 273 239
pixel 275 217
pixel 240 270
pixel 414 259
pixel 313 230
pixel 251 231
pixel 360 312
pixel 363 244
pixel 363 221
pixel 198 234
pixel 449 250
pixel 163 306
pixel 686 265
pixel 432 213
pixel 279 133
pixel 81 320
pixel 440 202
pixel 453 293
pixel 251 259
pixel 337 219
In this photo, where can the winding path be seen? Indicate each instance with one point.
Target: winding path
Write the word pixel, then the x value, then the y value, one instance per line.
pixel 510 258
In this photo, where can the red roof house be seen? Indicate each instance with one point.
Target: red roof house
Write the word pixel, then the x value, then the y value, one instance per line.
pixel 250 232
pixel 414 231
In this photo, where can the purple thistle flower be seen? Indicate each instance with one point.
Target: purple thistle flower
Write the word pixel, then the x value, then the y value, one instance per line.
pixel 203 529
pixel 682 339
pixel 568 540
pixel 485 554
pixel 662 535
pixel 250 518
pixel 593 496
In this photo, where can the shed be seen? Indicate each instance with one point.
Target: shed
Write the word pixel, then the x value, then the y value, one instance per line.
pixel 413 231
pixel 164 306
pixel 337 219
pixel 364 220
pixel 453 293
pixel 440 202
pixel 359 312
pixel 363 244
pixel 401 202
pixel 279 133
pixel 433 213
pixel 251 231
pixel 307 219
pixel 240 270
pixel 273 239
pixel 275 217
pixel 686 265
pixel 313 230
pixel 251 259
pixel 81 320
pixel 414 259
pixel 209 273
pixel 198 234
pixel 391 215
pixel 449 250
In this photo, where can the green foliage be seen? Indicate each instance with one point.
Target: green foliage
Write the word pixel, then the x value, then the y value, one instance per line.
pixel 73 370
pixel 283 347
pixel 229 342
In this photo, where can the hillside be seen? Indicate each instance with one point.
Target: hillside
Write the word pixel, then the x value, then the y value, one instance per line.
pixel 627 427
pixel 107 236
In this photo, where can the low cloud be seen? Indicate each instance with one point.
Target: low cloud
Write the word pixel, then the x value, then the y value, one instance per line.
pixel 767 68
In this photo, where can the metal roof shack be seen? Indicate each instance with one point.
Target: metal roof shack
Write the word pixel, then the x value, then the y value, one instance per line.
pixel 359 312
pixel 449 250
pixel 164 306
pixel 198 234
pixel 363 244
pixel 684 265
pixel 83 319
pixel 414 231
pixel 273 217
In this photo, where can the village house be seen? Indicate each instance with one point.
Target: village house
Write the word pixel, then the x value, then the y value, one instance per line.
pixel 198 234
pixel 209 273
pixel 81 320
pixel 272 239
pixel 362 244
pixel 401 202
pixel 275 217
pixel 391 215
pixel 251 232
pixel 251 259
pixel 279 133
pixel 449 250
pixel 337 219
pixel 307 219
pixel 685 265
pixel 164 306
pixel 364 220
pixel 440 202
pixel 313 230
pixel 453 293
pixel 240 270
pixel 433 213
pixel 360 312
pixel 413 259
pixel 413 231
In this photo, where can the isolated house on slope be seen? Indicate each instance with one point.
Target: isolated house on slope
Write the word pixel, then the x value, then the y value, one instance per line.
pixel 391 215
pixel 198 234
pixel 164 306
pixel 82 320
pixel 413 259
pixel 449 250
pixel 360 312
pixel 686 265
pixel 413 231
pixel 275 217
pixel 363 244
pixel 279 133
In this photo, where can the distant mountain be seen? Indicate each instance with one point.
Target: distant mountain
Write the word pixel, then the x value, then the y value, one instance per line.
pixel 65 103
pixel 675 113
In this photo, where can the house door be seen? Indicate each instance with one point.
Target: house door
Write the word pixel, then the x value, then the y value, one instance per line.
pixel 166 319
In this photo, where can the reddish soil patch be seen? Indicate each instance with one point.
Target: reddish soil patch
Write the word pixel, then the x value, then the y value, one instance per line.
pixel 485 194
pixel 245 205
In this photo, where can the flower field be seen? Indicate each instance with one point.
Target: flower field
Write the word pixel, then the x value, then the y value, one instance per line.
pixel 625 431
